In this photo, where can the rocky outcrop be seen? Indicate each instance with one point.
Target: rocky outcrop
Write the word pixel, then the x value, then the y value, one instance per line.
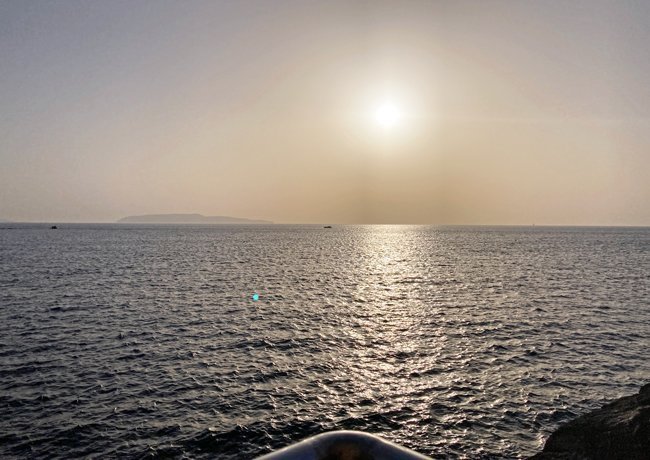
pixel 618 430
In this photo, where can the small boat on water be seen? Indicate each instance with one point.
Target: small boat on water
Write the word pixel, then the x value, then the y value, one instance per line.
pixel 327 226
pixel 344 445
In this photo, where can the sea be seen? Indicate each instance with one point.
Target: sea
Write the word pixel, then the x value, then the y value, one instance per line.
pixel 230 341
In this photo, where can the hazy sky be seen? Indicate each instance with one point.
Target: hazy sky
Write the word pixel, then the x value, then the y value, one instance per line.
pixel 505 112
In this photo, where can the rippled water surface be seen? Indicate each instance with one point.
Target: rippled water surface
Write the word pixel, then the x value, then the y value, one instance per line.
pixel 456 342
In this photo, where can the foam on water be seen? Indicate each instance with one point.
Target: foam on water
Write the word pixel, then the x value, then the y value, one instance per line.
pixel 146 341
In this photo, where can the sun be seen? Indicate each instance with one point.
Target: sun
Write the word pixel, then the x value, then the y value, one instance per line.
pixel 388 115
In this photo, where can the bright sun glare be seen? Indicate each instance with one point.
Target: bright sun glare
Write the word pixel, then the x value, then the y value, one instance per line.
pixel 388 115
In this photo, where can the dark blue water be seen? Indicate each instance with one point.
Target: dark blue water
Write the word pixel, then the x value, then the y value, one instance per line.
pixel 476 342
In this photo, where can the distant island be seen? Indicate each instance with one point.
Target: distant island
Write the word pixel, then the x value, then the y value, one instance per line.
pixel 187 219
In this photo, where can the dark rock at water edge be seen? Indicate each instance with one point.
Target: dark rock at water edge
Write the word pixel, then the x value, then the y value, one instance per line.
pixel 618 430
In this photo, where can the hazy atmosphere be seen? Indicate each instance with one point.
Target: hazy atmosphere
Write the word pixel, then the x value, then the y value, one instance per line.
pixel 340 112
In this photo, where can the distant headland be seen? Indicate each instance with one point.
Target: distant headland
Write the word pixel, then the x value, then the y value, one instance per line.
pixel 188 219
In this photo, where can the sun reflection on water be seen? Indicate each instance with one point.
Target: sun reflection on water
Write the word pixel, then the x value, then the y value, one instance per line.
pixel 389 317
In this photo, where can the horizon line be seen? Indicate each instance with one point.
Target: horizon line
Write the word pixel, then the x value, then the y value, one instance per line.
pixel 274 223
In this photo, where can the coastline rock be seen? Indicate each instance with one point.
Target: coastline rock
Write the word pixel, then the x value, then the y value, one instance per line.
pixel 618 430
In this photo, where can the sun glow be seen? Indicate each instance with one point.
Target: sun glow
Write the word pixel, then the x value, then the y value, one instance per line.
pixel 388 115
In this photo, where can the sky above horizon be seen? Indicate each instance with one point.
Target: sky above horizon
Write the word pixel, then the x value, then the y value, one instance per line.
pixel 438 112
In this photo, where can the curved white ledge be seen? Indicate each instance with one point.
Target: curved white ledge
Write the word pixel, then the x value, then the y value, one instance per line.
pixel 344 445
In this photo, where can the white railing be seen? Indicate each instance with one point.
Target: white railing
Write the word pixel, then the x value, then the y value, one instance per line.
pixel 337 445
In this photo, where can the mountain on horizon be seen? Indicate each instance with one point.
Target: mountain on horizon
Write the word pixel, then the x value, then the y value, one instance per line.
pixel 188 219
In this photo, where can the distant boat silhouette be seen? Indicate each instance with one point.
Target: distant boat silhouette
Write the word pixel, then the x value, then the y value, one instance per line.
pixel 53 227
pixel 327 226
